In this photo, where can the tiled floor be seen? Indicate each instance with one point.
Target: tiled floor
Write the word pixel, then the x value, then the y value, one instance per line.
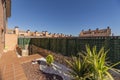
pixel 29 58
pixel 10 66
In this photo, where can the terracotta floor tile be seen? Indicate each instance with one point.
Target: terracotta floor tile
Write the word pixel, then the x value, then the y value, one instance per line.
pixel 10 66
pixel 8 69
pixel 17 65
pixel 19 71
pixel 8 78
pixel 20 76
pixel 23 78
pixel 9 72
pixel 8 75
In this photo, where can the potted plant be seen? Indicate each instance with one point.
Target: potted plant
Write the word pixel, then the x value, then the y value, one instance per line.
pixel 49 60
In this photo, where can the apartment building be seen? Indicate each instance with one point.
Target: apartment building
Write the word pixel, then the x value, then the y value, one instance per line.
pixel 97 32
pixel 28 33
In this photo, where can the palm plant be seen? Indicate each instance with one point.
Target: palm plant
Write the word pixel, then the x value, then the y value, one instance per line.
pixel 99 67
pixel 79 68
pixel 91 65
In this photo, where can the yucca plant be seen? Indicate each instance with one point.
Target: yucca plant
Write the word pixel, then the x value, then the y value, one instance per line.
pixel 79 68
pixel 99 67
pixel 91 65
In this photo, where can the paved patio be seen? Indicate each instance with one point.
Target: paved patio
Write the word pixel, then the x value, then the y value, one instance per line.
pixel 10 66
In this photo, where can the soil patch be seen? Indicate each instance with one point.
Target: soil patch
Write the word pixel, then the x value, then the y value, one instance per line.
pixel 32 72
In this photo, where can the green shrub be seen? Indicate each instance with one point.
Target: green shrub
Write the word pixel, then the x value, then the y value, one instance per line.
pixel 49 59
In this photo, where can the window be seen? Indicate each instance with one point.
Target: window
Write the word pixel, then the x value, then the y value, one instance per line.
pixel 2 35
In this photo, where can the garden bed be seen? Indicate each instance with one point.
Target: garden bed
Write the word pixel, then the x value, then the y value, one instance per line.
pixel 61 59
pixel 32 72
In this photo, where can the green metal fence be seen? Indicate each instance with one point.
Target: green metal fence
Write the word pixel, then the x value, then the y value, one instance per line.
pixel 68 46
pixel 71 46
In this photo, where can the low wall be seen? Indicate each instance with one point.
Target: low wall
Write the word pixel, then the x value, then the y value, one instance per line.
pixel 43 52
pixel 10 41
pixel 37 50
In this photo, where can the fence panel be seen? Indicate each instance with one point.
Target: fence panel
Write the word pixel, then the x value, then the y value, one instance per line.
pixel 71 46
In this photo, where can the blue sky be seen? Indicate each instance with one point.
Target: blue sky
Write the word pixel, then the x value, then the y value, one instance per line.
pixel 65 16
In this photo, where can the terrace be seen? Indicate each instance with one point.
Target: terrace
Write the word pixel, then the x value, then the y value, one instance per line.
pixel 10 67
pixel 34 65
pixel 13 67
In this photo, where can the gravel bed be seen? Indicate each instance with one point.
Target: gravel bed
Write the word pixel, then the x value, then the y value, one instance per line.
pixel 32 72
pixel 115 75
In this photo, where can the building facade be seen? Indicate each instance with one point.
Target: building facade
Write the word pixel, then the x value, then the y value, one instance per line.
pixel 5 12
pixel 97 32
pixel 28 33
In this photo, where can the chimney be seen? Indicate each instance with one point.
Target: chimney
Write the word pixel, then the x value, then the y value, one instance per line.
pixel 28 32
pixel 17 30
pixel 97 29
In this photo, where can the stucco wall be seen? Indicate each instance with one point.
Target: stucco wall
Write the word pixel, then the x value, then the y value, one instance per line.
pixel 1 27
pixel 10 41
